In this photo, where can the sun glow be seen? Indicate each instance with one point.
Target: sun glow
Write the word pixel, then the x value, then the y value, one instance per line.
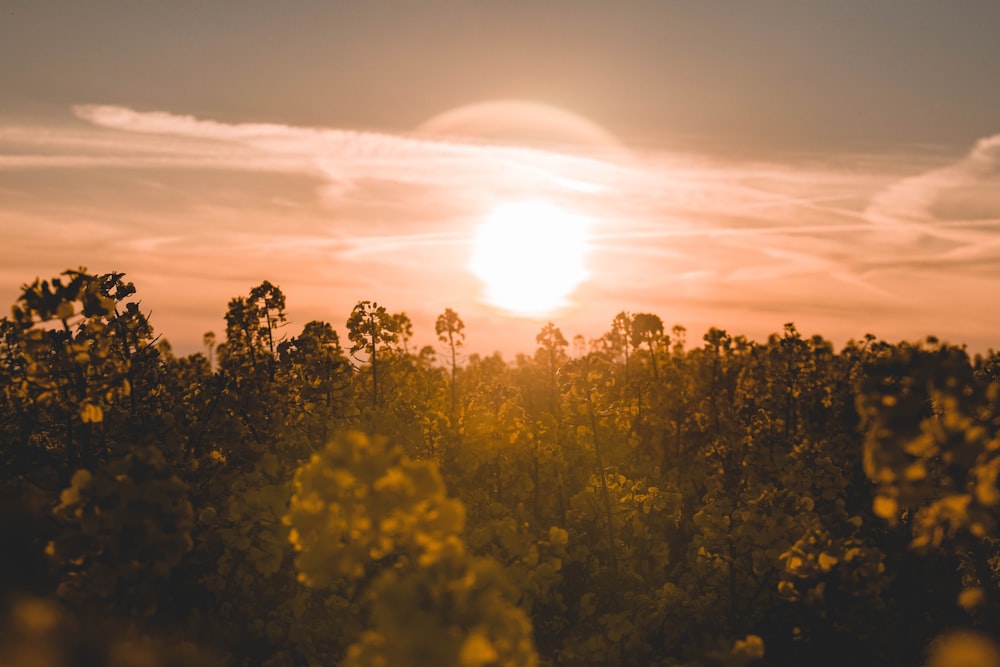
pixel 530 257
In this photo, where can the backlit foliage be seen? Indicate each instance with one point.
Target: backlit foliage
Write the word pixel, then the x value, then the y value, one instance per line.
pixel 645 498
pixel 363 510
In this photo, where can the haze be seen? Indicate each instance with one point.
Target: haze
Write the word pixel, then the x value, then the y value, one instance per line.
pixel 742 164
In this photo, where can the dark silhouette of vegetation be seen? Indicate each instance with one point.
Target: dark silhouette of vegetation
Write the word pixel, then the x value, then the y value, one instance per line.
pixel 281 501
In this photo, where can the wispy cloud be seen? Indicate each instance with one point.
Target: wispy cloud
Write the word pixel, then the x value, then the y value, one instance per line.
pixel 198 210
pixel 962 191
pixel 353 155
pixel 946 221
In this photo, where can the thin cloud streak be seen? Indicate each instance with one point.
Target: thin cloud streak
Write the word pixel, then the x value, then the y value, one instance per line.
pixel 364 153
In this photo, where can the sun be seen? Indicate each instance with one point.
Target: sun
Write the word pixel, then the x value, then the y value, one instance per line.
pixel 530 256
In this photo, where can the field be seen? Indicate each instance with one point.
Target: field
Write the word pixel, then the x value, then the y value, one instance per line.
pixel 644 498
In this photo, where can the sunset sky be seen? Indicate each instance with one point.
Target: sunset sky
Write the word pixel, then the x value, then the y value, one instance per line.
pixel 732 164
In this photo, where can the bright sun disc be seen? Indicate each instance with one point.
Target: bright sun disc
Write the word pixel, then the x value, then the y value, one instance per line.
pixel 530 256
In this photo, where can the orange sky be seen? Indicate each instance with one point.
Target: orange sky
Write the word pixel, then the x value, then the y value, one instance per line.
pixel 851 219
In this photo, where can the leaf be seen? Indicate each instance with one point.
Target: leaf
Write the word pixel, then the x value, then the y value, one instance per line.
pixel 91 414
pixel 826 561
pixel 885 507
pixel 752 647
pixel 558 536
pixel 65 310
pixel 971 598
pixel 477 650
